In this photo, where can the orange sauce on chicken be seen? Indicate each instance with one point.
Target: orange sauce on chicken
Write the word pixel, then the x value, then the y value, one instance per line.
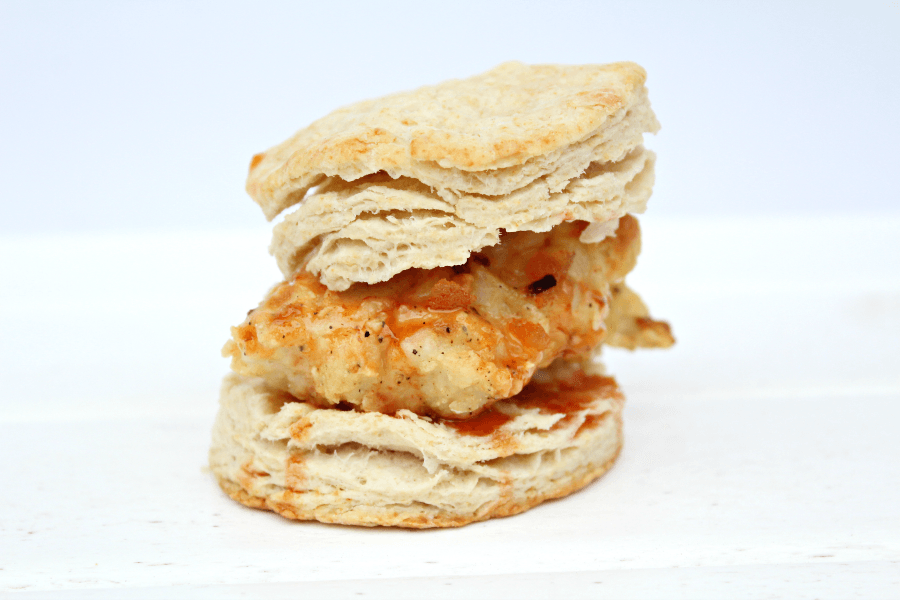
pixel 558 397
pixel 507 311
pixel 481 425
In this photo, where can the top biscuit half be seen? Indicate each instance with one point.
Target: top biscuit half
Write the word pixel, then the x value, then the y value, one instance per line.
pixel 554 142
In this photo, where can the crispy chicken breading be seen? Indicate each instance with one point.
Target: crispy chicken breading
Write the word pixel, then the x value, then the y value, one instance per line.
pixel 448 341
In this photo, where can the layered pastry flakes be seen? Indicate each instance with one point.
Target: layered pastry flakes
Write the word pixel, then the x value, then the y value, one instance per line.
pixel 454 260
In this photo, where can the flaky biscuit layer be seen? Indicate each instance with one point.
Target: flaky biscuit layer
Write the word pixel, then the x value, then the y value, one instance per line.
pixel 489 134
pixel 377 227
pixel 271 451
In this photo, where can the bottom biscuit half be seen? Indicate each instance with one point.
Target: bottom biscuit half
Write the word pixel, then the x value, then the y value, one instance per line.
pixel 273 452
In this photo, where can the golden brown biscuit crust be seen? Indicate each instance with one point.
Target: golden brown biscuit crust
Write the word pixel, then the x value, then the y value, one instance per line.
pixel 270 451
pixel 499 119
pixel 409 519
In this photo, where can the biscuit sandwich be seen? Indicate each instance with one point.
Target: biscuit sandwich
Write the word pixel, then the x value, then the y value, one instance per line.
pixel 454 260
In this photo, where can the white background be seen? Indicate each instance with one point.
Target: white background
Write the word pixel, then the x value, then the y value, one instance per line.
pixel 761 455
pixel 126 115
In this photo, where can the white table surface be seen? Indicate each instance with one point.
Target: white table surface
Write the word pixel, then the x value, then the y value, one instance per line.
pixel 762 454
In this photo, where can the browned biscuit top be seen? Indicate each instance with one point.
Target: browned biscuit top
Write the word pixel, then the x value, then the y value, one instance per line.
pixel 499 119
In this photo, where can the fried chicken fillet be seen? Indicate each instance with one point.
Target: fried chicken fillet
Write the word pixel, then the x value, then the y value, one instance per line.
pixel 449 341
